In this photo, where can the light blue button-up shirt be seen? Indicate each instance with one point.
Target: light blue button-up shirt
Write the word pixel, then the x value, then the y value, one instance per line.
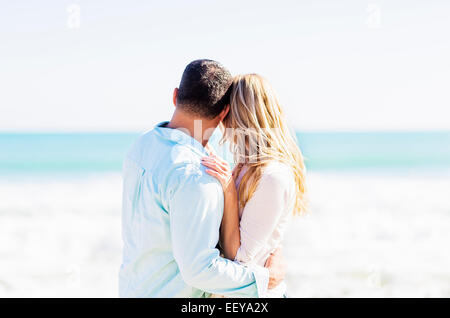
pixel 171 218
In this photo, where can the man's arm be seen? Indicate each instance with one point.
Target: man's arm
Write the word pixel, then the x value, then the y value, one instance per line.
pixel 195 215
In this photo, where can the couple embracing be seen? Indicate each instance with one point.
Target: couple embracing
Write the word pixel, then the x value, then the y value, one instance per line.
pixel 191 225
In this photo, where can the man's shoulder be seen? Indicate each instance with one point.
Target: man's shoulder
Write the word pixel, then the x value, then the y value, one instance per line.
pixel 150 144
pixel 169 162
pixel 186 170
pixel 141 145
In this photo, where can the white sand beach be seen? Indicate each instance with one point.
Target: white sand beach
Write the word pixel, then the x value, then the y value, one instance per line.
pixel 366 236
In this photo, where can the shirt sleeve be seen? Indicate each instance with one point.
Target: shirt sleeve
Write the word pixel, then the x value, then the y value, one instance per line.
pixel 260 216
pixel 195 210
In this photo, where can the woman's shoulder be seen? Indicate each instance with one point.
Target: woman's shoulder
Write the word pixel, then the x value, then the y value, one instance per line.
pixel 278 183
pixel 278 174
pixel 277 168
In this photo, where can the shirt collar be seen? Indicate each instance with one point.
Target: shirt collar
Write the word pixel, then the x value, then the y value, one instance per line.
pixel 178 136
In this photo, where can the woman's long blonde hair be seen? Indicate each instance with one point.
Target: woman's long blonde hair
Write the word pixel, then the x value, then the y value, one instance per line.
pixel 258 135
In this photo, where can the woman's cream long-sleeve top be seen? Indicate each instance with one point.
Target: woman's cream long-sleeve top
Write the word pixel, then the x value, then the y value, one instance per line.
pixel 265 217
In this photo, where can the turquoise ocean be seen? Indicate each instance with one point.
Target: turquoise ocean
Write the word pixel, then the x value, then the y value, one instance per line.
pixel 22 153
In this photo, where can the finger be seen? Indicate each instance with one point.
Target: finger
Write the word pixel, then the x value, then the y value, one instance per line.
pixel 214 166
pixel 210 165
pixel 219 162
pixel 213 173
pixel 208 159
pixel 217 166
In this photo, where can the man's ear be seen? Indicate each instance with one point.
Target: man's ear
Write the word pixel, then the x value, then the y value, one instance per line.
pixel 175 95
pixel 224 112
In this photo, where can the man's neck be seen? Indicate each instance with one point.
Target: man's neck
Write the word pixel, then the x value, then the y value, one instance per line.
pixel 198 128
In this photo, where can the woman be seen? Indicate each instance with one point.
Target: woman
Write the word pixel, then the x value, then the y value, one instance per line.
pixel 267 184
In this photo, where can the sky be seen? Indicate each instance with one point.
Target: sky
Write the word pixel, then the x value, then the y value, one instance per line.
pixel 91 65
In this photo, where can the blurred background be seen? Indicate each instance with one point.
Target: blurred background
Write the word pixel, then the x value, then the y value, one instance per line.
pixel 363 83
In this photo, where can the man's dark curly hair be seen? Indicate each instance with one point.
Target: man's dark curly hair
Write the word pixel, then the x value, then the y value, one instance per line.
pixel 204 88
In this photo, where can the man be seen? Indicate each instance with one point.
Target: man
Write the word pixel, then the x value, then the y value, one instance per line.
pixel 172 209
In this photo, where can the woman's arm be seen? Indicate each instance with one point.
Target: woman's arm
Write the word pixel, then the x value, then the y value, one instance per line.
pixel 261 213
pixel 229 239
